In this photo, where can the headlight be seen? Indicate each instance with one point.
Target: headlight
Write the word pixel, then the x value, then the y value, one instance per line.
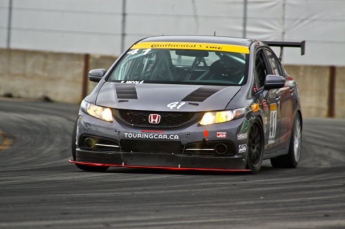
pixel 102 113
pixel 221 116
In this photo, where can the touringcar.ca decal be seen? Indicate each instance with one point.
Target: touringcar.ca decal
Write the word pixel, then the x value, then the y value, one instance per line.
pixel 273 123
pixel 151 136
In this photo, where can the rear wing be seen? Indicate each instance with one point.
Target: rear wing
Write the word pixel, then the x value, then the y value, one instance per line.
pixel 283 44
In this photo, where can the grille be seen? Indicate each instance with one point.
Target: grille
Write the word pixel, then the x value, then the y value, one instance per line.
pixel 169 120
pixel 151 146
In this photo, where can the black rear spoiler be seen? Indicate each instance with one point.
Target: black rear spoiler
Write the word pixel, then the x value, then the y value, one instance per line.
pixel 283 44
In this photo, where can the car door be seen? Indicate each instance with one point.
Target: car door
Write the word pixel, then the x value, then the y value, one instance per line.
pixel 284 99
pixel 269 101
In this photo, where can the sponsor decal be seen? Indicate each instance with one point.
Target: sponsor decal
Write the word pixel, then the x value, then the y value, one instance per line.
pixel 135 51
pixel 255 107
pixel 242 136
pixel 221 134
pixel 264 105
pixel 133 82
pixel 191 46
pixel 265 124
pixel 273 107
pixel 242 148
pixel 273 123
pixel 151 136
pixel 154 118
pixel 255 88
pixel 245 126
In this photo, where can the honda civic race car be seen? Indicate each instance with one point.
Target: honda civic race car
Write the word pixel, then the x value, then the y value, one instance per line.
pixel 191 103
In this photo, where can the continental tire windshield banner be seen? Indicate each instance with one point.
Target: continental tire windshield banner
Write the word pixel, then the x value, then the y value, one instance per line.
pixel 192 46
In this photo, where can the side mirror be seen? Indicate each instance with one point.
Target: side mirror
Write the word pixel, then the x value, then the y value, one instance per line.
pixel 274 82
pixel 96 74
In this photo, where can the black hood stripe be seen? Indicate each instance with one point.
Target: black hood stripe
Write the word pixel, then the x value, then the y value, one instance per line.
pixel 126 91
pixel 201 94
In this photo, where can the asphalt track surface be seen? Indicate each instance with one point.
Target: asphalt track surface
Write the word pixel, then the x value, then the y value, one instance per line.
pixel 40 189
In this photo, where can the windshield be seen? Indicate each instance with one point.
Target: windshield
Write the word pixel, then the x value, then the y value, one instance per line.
pixel 180 66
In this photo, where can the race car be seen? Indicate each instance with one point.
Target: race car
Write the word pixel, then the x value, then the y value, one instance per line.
pixel 191 103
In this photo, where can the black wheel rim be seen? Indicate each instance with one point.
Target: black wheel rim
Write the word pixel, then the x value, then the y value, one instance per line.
pixel 255 145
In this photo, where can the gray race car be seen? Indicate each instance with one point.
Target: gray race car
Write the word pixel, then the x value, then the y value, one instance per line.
pixel 191 103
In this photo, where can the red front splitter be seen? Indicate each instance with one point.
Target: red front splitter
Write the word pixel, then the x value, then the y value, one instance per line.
pixel 158 167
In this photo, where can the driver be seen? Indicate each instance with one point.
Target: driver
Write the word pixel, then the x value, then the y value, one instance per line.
pixel 227 68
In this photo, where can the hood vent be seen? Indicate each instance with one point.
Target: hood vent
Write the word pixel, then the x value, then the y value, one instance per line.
pixel 126 91
pixel 201 94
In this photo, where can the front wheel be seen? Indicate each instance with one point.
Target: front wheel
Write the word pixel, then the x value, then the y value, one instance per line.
pixel 294 155
pixel 255 148
pixel 73 149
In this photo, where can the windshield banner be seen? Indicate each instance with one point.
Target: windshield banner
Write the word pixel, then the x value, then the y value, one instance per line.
pixel 191 46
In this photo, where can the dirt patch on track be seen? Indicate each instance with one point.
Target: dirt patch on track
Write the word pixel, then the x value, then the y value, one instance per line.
pixel 5 141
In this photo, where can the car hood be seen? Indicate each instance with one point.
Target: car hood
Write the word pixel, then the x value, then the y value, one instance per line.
pixel 165 97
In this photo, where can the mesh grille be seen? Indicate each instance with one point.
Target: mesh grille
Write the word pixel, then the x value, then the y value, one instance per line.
pixel 168 119
pixel 151 146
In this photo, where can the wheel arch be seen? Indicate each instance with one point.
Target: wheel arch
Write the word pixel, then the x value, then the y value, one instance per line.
pixel 258 121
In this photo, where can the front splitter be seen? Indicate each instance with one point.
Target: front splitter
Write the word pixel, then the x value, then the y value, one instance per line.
pixel 158 167
pixel 160 161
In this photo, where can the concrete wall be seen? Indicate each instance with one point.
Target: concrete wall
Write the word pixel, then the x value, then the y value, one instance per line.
pixel 60 77
pixel 99 61
pixel 46 75
pixel 340 93
pixel 316 90
pixel 313 84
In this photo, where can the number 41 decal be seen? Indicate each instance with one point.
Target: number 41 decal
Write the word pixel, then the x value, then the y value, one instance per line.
pixel 178 105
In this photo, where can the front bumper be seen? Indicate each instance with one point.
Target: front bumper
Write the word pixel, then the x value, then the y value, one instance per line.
pixel 172 158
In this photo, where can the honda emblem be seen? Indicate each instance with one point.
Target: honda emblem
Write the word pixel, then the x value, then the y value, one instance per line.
pixel 154 118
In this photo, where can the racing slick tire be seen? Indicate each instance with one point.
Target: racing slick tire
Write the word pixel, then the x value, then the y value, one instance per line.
pixel 291 159
pixel 74 155
pixel 255 147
